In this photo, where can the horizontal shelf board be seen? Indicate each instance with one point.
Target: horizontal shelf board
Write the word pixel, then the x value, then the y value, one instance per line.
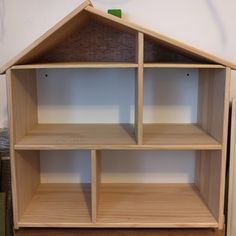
pixel 59 204
pixel 116 136
pixel 75 135
pixel 163 205
pixel 183 135
pixel 117 225
pixel 77 65
pixel 176 65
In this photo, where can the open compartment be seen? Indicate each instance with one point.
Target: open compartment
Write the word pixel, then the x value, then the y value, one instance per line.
pixel 69 109
pixel 184 108
pixel 158 51
pixel 86 38
pixel 156 189
pixel 53 188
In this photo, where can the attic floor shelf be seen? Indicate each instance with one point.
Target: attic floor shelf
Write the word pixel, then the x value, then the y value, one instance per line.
pixel 162 205
pixel 181 65
pixel 57 205
pixel 116 136
pixel 71 65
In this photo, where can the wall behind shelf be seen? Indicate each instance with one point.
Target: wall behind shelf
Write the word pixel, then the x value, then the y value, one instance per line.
pixel 205 24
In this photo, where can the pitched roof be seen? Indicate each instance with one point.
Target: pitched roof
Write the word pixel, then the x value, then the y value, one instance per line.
pixel 78 17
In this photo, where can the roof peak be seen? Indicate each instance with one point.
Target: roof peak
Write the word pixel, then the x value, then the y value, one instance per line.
pixel 77 18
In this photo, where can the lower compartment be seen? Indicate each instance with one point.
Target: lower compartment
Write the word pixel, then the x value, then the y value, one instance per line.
pixel 58 205
pixel 120 205
pixel 55 189
pixel 160 205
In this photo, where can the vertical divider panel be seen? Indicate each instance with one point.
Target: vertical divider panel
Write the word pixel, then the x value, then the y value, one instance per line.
pixel 213 107
pixel 139 90
pixel 95 182
pixel 22 115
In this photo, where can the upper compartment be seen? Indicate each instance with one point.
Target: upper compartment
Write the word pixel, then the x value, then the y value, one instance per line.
pixel 92 40
pixel 89 35
pixel 156 51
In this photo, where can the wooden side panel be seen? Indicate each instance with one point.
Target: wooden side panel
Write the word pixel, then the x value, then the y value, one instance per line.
pixel 22 101
pixel 27 177
pixel 22 115
pixel 208 179
pixel 213 117
pixel 139 91
pixel 95 182
pixel 213 101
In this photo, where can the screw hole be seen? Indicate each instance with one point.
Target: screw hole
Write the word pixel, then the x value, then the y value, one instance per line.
pixel 188 74
pixel 46 75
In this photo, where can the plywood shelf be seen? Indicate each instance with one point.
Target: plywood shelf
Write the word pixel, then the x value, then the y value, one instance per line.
pixel 179 136
pixel 74 136
pixel 181 65
pixel 58 205
pixel 75 65
pixel 71 65
pixel 116 136
pixel 157 205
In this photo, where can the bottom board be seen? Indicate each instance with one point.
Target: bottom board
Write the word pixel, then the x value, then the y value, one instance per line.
pixel 160 205
pixel 120 205
pixel 58 205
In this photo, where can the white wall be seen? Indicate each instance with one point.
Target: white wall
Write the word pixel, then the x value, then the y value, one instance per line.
pixel 206 24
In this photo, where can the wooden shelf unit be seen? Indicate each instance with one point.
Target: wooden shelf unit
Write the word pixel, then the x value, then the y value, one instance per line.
pixel 89 38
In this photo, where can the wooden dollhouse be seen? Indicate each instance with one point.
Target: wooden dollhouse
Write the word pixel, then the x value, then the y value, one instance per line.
pixel 89 38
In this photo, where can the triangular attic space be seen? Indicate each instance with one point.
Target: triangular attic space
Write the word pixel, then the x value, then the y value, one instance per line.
pixel 157 52
pixel 94 42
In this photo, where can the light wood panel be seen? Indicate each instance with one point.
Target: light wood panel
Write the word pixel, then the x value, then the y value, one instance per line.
pixel 22 115
pixel 181 65
pixel 102 136
pixel 139 91
pixel 107 136
pixel 213 106
pixel 12 143
pixel 231 207
pixel 213 101
pixel 178 136
pixel 96 182
pixel 73 136
pixel 27 177
pixel 157 205
pixel 58 205
pixel 71 65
